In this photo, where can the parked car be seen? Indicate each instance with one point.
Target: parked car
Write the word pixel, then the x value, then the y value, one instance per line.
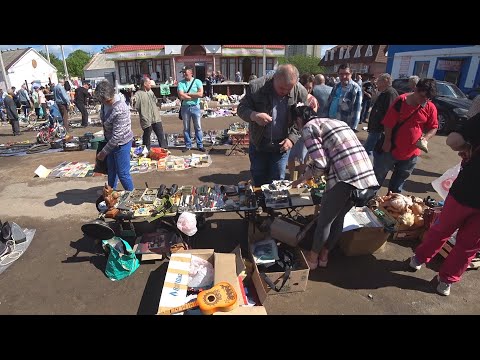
pixel 452 104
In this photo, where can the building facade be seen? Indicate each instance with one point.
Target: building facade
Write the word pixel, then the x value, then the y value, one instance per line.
pixel 310 50
pixel 458 64
pixel 160 62
pixel 367 60
pixel 98 68
pixel 26 65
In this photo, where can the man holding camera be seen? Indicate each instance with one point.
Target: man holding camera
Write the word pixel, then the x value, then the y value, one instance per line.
pixel 266 107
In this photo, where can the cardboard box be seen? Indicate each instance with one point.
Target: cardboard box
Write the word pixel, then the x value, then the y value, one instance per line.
pixel 227 266
pixel 363 241
pixel 363 234
pixel 297 281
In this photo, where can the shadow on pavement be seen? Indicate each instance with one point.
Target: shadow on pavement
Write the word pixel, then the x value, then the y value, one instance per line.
pixel 75 196
pixel 417 187
pixel 226 179
pixel 367 272
pixel 91 246
pixel 421 172
pixel 153 290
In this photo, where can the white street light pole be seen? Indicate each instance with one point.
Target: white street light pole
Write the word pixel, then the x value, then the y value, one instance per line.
pixel 264 60
pixel 48 53
pixel 5 76
pixel 64 63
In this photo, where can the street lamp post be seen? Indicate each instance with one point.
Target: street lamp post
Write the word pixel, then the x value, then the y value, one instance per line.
pixel 64 63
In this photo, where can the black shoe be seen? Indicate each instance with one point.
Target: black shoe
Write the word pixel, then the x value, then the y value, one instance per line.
pixel 202 149
pixel 186 149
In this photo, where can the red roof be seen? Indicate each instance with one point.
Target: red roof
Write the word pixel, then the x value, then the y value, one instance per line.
pixel 120 48
pixel 255 46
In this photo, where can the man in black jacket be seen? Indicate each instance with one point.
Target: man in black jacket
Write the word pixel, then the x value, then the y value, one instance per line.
pixel 379 109
pixel 12 113
pixel 81 99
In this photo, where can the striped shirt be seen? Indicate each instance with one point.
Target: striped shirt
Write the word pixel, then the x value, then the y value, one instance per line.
pixel 337 152
pixel 117 124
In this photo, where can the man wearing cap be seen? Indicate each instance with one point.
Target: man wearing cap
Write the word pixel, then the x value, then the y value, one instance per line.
pixel 190 90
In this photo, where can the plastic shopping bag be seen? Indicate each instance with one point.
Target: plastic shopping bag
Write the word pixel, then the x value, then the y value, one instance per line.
pixel 121 261
pixel 443 184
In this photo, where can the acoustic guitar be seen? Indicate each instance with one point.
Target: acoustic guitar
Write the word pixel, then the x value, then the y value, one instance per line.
pixel 221 297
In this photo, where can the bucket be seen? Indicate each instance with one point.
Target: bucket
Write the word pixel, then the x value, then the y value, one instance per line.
pixel 94 143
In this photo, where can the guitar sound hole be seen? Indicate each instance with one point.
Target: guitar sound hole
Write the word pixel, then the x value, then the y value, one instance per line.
pixel 211 298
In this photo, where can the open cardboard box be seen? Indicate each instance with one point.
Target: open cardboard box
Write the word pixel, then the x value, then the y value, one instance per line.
pixel 362 238
pixel 227 266
pixel 296 282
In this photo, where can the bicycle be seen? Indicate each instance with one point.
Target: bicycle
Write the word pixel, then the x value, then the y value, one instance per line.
pixel 29 120
pixel 49 133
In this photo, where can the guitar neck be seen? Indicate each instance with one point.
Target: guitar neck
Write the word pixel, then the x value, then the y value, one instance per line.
pixel 178 309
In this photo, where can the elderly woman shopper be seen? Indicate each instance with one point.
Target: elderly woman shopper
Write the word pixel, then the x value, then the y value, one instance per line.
pixel 461 211
pixel 117 127
pixel 336 153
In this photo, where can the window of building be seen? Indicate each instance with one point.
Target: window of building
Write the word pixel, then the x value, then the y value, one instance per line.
pixel 369 51
pixel 162 67
pixel 421 68
pixel 332 52
pixel 325 58
pixel 270 64
pixel 340 54
pixel 357 51
pixel 122 69
pixel 347 53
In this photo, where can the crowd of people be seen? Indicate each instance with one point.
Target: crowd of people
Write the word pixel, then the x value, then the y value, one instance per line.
pixel 285 122
pixel 308 124
pixel 33 100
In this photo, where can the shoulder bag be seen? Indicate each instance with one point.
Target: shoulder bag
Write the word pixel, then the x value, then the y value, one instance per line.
pixel 180 112
pixel 379 145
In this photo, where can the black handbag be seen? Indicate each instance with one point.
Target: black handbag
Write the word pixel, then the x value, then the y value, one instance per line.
pixel 379 145
pixel 180 112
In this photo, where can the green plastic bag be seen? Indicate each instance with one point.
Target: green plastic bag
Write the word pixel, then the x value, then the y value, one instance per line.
pixel 122 261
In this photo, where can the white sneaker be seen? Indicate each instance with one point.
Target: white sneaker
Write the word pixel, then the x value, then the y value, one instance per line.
pixel 414 264
pixel 443 288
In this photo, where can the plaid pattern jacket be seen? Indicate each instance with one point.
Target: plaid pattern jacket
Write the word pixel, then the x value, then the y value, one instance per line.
pixel 336 152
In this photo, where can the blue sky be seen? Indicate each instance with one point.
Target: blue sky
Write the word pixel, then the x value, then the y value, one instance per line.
pixel 55 49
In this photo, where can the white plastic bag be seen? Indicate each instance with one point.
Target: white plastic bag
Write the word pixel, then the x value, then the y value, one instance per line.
pixel 201 273
pixel 187 223
pixel 443 184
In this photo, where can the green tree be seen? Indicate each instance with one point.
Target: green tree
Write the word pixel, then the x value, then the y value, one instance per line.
pixel 76 61
pixel 304 64
pixel 55 61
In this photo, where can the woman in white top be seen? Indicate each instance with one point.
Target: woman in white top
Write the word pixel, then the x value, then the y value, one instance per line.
pixel 43 101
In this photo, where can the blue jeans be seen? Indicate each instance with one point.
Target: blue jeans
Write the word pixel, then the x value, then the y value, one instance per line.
pixel 267 166
pixel 118 167
pixel 372 139
pixel 195 114
pixel 384 162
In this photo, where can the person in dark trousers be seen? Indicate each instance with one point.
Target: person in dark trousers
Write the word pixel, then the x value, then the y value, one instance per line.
pixel 12 113
pixel 146 105
pixel 387 95
pixel 81 99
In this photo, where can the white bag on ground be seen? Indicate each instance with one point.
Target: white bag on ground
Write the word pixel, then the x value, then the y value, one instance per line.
pixel 187 223
pixel 443 184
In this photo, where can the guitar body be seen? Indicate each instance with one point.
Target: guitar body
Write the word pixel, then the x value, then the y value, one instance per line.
pixel 221 297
